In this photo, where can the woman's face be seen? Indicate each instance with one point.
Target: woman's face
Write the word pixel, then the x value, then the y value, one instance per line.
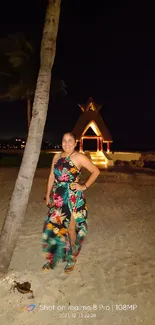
pixel 68 143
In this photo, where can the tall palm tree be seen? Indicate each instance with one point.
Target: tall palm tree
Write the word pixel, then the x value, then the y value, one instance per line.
pixel 21 192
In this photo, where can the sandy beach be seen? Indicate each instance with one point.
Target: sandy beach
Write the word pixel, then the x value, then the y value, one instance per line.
pixel 113 282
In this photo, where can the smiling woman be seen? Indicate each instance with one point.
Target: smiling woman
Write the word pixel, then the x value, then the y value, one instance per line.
pixel 65 225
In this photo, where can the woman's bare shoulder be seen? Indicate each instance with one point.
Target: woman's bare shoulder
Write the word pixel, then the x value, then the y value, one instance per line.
pixel 81 158
pixel 81 155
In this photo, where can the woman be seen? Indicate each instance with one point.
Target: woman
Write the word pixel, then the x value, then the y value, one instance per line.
pixel 66 222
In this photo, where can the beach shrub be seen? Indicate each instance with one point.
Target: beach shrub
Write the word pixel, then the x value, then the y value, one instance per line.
pixel 119 162
pixel 148 159
pixel 140 163
pixel 148 156
pixel 126 163
pixel 137 163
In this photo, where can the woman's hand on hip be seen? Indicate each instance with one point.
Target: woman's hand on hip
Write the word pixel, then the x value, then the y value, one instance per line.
pixel 77 187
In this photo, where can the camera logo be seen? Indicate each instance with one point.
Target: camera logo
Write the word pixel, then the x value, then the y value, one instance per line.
pixel 28 308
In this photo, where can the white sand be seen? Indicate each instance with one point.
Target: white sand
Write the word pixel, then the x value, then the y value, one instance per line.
pixel 116 266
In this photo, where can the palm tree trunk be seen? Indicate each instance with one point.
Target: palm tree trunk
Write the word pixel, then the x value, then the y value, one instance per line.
pixel 28 112
pixel 18 204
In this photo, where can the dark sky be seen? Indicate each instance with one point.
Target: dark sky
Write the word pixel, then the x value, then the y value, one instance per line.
pixel 105 51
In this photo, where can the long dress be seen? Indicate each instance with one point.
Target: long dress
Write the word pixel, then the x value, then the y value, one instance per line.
pixel 64 203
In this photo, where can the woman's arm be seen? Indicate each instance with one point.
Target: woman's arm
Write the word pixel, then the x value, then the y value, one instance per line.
pixel 86 163
pixel 51 179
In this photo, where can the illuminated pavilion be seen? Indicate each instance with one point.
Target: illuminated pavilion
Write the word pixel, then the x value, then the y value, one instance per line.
pixel 90 118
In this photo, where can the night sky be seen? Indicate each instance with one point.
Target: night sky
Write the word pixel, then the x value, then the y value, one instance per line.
pixel 105 51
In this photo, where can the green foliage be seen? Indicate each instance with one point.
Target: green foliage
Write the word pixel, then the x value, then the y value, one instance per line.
pixel 19 65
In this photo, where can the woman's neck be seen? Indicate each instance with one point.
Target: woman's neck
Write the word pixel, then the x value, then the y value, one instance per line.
pixel 67 154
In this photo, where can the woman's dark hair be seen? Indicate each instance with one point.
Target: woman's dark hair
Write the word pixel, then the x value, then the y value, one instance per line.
pixel 71 134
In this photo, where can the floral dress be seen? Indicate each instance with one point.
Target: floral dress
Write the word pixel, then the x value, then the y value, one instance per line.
pixel 64 203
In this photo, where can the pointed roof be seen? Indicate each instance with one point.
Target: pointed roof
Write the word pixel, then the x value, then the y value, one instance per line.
pixel 91 118
pixel 90 105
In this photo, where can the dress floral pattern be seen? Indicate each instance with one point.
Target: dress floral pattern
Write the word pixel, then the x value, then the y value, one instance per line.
pixel 64 203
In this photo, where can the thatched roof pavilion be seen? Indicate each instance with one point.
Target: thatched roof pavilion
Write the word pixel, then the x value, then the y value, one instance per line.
pixel 90 118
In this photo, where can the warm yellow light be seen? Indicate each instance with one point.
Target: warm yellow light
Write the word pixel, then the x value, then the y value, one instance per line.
pixel 94 127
